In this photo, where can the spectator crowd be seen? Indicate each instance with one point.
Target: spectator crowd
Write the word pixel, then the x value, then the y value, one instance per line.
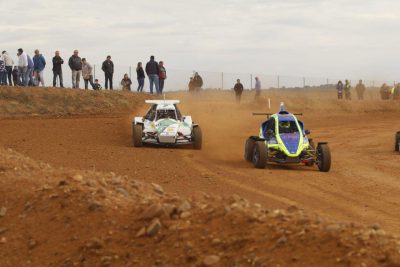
pixel 29 71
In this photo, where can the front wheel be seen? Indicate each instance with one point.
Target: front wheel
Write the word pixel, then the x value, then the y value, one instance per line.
pixel 137 135
pixel 324 158
pixel 248 149
pixel 198 138
pixel 260 155
pixel 397 142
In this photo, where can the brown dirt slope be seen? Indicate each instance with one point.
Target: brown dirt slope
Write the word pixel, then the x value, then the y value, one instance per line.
pixel 59 217
pixel 20 101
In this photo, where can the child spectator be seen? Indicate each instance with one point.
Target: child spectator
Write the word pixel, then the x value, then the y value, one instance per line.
pixel 97 85
pixel 15 75
pixel 126 82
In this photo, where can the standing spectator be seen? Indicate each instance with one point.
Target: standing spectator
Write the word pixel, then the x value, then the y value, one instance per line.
pixel 108 68
pixel 29 74
pixel 39 65
pixel 22 66
pixel 197 82
pixel 97 86
pixel 126 82
pixel 347 88
pixel 3 72
pixel 339 89
pixel 152 71
pixel 87 73
pixel 140 76
pixel 75 63
pixel 191 85
pixel 258 87
pixel 57 69
pixel 238 90
pixel 15 76
pixel 162 75
pixel 396 92
pixel 360 89
pixel 385 91
pixel 9 62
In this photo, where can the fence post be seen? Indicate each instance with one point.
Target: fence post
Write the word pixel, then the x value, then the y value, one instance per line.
pixel 327 81
pixel 304 82
pixel 251 81
pixel 94 71
pixel 222 84
pixel 278 82
pixel 130 72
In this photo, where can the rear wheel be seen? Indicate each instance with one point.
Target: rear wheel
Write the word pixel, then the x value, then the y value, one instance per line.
pixel 397 142
pixel 324 158
pixel 137 134
pixel 248 149
pixel 260 155
pixel 197 136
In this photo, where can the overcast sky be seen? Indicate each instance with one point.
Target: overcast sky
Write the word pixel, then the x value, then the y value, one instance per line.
pixel 335 38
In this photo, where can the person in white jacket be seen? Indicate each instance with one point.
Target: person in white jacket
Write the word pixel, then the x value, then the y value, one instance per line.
pixel 9 62
pixel 22 66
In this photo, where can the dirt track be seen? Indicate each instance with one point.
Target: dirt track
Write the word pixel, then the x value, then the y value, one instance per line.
pixel 362 186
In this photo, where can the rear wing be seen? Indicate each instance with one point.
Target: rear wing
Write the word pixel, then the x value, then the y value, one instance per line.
pixel 270 114
pixel 162 102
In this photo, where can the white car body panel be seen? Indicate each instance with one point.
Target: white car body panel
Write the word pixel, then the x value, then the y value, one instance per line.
pixel 166 131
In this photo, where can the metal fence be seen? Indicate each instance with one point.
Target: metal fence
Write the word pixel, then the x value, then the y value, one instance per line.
pixel 178 79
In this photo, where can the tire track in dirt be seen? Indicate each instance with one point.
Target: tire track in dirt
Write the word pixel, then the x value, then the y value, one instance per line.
pixel 362 186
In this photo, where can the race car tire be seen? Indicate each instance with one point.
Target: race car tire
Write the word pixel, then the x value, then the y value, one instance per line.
pixel 397 142
pixel 198 138
pixel 248 149
pixel 137 134
pixel 324 157
pixel 260 155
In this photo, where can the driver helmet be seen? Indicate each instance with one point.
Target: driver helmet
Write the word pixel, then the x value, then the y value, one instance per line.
pixel 284 124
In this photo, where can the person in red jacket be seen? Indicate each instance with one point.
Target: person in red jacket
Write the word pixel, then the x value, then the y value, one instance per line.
pixel 161 76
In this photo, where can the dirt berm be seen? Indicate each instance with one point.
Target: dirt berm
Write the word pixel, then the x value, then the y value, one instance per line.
pixel 59 217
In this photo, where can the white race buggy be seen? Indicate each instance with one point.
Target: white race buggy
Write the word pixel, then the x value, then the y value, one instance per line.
pixel 164 125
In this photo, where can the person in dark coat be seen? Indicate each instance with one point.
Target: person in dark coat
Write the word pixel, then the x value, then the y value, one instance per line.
pixel 152 71
pixel 57 69
pixel 140 76
pixel 108 68
pixel 339 89
pixel 75 63
pixel 197 82
pixel 238 90
pixel 360 90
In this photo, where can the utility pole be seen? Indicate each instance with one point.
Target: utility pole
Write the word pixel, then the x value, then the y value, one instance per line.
pixel 278 82
pixel 222 85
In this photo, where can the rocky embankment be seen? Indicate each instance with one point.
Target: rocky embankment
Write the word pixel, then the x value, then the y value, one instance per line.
pixel 59 217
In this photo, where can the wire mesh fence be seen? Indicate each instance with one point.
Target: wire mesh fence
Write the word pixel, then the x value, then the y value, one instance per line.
pixel 178 80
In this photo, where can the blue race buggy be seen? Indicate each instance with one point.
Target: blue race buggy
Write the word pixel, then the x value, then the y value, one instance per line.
pixel 283 140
